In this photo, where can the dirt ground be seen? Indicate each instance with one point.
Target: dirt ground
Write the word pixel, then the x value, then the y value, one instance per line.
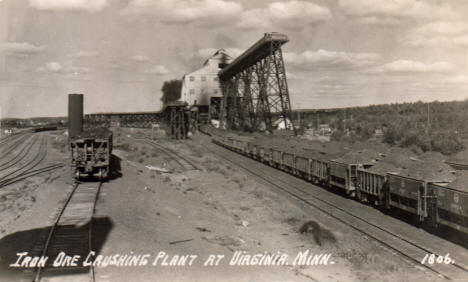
pixel 217 210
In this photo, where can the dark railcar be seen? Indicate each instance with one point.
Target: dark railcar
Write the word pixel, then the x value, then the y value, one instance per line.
pixel 408 194
pixel 343 176
pixel 90 152
pixel 450 207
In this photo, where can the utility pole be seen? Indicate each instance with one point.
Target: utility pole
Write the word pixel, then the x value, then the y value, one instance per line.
pixel 298 116
pixel 317 121
pixel 427 126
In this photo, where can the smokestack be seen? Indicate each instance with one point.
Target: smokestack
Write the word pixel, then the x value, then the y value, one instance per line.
pixel 75 114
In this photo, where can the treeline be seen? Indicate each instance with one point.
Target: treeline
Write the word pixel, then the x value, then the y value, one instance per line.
pixel 435 126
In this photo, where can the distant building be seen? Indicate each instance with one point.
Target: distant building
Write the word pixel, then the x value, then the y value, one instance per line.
pixel 281 124
pixel 378 132
pixel 325 129
pixel 198 87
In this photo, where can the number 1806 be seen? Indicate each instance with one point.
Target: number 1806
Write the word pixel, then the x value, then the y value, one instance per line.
pixel 433 259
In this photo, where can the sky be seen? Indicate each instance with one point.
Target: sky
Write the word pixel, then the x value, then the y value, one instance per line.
pixel 118 53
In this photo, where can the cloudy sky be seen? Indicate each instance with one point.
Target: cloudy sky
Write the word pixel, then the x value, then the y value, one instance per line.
pixel 119 52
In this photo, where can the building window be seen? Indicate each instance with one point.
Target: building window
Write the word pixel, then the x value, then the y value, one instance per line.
pixel 203 78
pixel 215 78
pixel 192 91
pixel 192 78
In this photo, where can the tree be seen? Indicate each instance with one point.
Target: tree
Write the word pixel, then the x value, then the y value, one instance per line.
pixel 171 90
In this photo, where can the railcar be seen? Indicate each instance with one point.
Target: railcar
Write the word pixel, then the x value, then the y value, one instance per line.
pixel 91 152
pixel 432 203
pixel 288 163
pixel 371 187
pixel 303 167
pixel 229 143
pixel 320 171
pixel 277 158
pixel 45 128
pixel 266 155
pixel 448 207
pixel 408 194
pixel 240 145
pixel 252 150
pixel 343 176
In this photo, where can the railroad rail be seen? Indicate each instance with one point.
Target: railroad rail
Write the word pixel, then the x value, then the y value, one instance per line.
pixel 412 251
pixel 458 166
pixel 8 138
pixel 181 161
pixel 72 230
pixel 26 168
pixel 21 154
pixel 16 142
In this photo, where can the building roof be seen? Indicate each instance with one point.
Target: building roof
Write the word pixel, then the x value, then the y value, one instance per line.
pixel 219 54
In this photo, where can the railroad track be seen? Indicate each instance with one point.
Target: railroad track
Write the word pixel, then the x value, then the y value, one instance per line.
pixel 27 168
pixel 181 161
pixel 412 251
pixel 24 151
pixel 16 143
pixel 71 233
pixel 8 138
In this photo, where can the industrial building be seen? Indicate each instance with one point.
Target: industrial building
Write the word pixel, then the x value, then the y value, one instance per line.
pixel 201 87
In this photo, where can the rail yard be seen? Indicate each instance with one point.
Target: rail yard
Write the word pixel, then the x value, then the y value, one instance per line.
pixel 195 197
pixel 222 187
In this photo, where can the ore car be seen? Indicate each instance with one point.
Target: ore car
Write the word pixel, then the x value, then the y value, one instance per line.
pixel 371 187
pixel 90 152
pixel 448 207
pixel 343 176
pixel 408 194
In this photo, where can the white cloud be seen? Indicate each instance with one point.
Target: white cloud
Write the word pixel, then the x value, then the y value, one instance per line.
pixel 440 34
pixel 68 5
pixel 158 70
pixel 291 15
pixel 23 48
pixel 51 67
pixel 55 67
pixel 396 10
pixel 294 75
pixel 408 66
pixel 201 12
pixel 140 58
pixel 76 70
pixel 330 59
pixel 458 79
pixel 83 54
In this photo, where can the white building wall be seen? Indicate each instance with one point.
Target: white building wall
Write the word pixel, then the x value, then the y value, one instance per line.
pixel 199 86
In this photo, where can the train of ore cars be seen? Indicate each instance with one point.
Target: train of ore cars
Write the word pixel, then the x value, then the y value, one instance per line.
pixel 432 204
pixel 91 152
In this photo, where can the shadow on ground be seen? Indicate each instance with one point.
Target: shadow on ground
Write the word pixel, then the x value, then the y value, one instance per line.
pixel 115 167
pixel 32 242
